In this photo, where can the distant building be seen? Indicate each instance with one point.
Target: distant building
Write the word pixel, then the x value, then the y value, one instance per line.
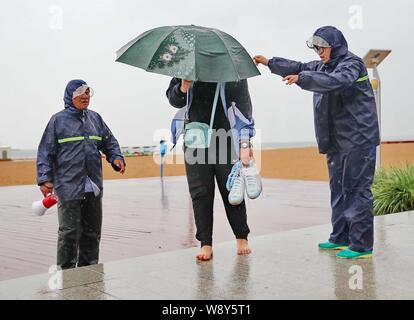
pixel 138 150
pixel 5 153
pixel 147 150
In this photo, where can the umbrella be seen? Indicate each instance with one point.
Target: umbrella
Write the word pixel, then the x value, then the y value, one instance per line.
pixel 189 52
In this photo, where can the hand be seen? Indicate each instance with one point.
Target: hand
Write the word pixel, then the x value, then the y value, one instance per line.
pixel 185 85
pixel 46 188
pixel 291 79
pixel 120 164
pixel 246 155
pixel 260 59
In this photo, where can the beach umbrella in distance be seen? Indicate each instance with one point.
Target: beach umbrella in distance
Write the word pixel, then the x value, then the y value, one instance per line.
pixel 189 52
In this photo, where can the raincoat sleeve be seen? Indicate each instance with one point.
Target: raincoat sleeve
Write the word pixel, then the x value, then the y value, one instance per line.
pixel 344 75
pixel 46 153
pixel 176 98
pixel 110 146
pixel 284 67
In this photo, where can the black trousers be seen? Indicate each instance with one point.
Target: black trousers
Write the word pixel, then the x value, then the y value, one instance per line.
pixel 79 235
pixel 201 184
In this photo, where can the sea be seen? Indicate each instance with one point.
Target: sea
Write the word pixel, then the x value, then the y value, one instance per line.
pixel 30 154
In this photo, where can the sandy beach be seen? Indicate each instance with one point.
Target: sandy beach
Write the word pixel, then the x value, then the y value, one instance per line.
pixel 291 163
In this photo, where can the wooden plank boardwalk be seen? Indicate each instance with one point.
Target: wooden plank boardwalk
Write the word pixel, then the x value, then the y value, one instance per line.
pixel 144 216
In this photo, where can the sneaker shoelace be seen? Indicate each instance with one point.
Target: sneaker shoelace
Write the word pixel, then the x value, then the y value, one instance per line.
pixel 250 175
pixel 235 172
pixel 237 183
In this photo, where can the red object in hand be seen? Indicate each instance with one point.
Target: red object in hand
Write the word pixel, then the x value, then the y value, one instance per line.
pixel 50 200
pixel 40 207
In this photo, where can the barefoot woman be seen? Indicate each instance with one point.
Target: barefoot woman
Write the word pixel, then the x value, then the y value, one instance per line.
pixel 233 117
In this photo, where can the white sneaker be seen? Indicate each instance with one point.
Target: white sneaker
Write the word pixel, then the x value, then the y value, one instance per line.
pixel 252 180
pixel 236 194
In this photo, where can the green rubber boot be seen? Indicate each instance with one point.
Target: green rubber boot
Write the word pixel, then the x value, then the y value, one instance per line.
pixel 349 254
pixel 332 246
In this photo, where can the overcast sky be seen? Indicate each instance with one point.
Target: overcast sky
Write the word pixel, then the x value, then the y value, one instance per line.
pixel 44 44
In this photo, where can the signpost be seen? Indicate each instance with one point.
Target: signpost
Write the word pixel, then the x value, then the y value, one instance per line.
pixel 372 60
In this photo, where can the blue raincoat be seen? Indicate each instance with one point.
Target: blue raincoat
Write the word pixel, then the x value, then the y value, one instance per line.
pixel 69 151
pixel 345 113
pixel 346 127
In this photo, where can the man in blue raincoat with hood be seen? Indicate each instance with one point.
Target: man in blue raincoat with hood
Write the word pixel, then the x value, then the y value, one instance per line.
pixel 347 131
pixel 69 163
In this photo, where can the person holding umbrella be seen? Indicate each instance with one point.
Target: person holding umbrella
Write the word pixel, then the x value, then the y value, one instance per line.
pixel 347 131
pixel 209 86
pixel 201 174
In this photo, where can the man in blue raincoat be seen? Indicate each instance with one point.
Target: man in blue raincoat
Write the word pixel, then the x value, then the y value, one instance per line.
pixel 346 127
pixel 69 163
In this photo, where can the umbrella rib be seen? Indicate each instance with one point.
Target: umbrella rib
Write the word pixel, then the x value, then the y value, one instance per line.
pixel 131 43
pixel 234 66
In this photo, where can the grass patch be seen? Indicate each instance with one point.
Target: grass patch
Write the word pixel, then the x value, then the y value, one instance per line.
pixel 393 190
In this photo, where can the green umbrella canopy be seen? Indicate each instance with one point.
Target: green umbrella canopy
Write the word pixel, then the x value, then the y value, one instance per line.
pixel 189 52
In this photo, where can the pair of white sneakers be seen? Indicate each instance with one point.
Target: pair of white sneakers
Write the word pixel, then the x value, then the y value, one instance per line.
pixel 248 180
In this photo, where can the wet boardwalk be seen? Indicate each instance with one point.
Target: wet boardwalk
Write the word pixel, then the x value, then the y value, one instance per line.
pixel 283 265
pixel 143 217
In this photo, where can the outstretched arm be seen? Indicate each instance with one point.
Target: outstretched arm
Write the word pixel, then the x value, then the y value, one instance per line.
pixel 341 78
pixel 284 67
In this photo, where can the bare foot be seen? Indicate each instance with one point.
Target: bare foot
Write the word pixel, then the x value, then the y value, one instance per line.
pixel 243 247
pixel 205 254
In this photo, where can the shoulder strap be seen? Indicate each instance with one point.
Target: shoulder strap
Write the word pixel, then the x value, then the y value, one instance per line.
pixel 213 111
pixel 187 109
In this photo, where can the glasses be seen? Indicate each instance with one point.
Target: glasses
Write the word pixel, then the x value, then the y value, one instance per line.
pixel 318 44
pixel 83 90
pixel 318 50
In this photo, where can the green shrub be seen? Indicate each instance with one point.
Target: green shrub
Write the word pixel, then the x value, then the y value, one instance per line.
pixel 393 190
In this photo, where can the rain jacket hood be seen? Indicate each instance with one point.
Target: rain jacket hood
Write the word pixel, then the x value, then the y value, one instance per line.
pixel 336 40
pixel 70 88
